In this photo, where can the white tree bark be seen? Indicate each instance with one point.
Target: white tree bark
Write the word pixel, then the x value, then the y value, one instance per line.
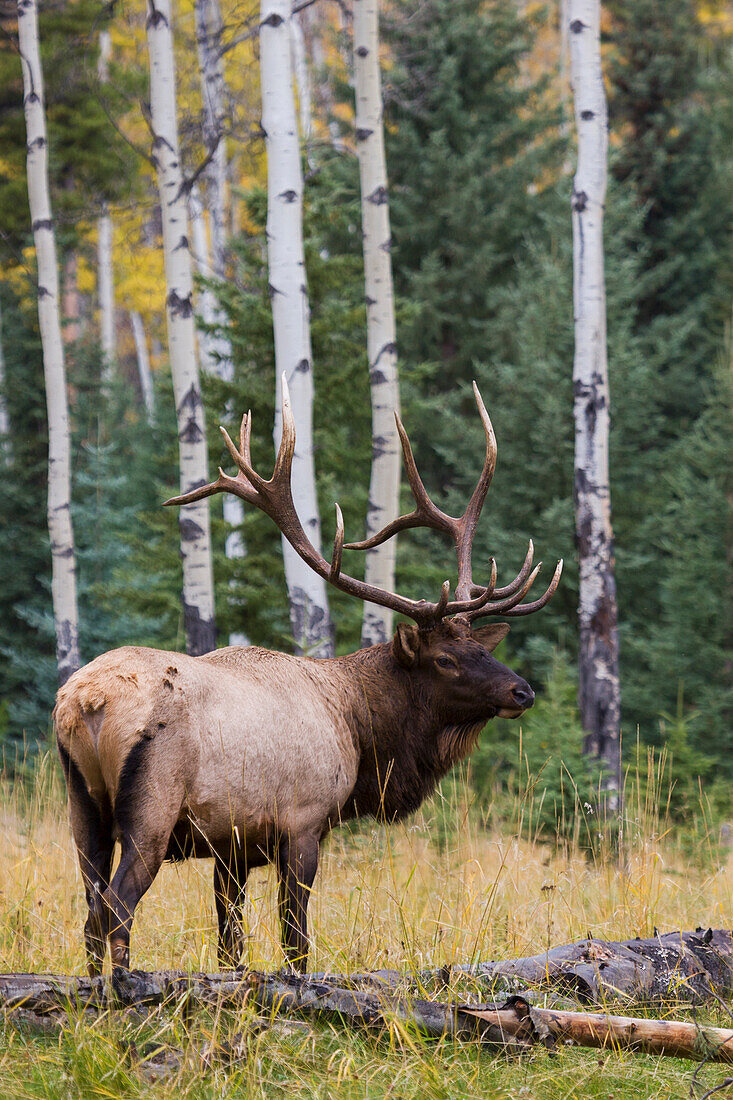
pixel 106 289
pixel 309 614
pixel 198 586
pixel 218 347
pixel 5 448
pixel 214 98
pixel 599 693
pixel 302 77
pixel 104 245
pixel 384 488
pixel 201 257
pixel 63 583
pixel 143 363
pixel 216 358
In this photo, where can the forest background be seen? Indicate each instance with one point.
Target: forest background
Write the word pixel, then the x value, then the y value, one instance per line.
pixel 479 156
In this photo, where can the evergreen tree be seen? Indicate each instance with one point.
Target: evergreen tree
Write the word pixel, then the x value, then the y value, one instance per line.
pixel 669 101
pixel 471 147
pixel 27 644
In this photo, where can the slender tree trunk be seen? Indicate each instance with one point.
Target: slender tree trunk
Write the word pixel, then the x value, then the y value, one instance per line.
pixel 104 245
pixel 214 99
pixel 71 310
pixel 198 586
pixel 5 447
pixel 302 76
pixel 384 489
pixel 599 693
pixel 63 559
pixel 216 358
pixel 309 614
pixel 200 254
pixel 312 26
pixel 143 363
pixel 217 347
pixel 106 289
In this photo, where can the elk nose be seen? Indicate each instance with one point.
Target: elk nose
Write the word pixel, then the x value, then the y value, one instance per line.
pixel 523 696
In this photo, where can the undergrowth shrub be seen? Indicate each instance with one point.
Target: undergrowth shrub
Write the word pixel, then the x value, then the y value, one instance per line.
pixel 531 778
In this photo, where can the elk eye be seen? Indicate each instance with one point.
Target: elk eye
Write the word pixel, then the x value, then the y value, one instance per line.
pixel 445 662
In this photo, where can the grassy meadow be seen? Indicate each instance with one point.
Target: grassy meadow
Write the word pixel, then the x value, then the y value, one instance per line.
pixel 444 887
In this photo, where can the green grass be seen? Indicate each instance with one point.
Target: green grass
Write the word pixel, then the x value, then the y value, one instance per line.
pixel 443 887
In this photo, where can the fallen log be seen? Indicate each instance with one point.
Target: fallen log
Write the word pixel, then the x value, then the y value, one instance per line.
pixel 680 966
pixel 673 1038
pixel 281 993
pixel 695 967
pixel 513 1026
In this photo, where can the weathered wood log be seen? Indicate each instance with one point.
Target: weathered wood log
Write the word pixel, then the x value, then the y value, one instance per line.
pixel 677 966
pixel 511 1026
pixel 674 1038
pixel 286 994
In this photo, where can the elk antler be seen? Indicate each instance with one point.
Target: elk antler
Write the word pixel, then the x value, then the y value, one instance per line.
pixel 472 601
pixel 275 499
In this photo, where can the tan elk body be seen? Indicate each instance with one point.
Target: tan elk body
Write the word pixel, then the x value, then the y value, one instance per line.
pixel 249 755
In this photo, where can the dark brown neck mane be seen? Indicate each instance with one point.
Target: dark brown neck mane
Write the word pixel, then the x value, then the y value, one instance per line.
pixel 406 745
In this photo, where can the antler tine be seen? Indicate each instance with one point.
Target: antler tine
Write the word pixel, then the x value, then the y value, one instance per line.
pixel 401 524
pixel 244 465
pixel 479 596
pixel 425 514
pixel 479 589
pixel 338 546
pixel 245 437
pixel 528 608
pixel 425 507
pixel 502 606
pixel 286 450
pixel 476 503
pixel 223 484
pixel 442 604
pixel 510 589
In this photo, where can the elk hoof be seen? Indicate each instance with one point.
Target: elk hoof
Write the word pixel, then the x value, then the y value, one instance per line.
pixel 120 953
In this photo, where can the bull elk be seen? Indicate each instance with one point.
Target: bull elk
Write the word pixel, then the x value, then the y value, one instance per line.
pixel 251 756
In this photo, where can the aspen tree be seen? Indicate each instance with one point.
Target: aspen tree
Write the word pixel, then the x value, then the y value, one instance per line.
pixel 143 363
pixel 309 614
pixel 211 260
pixel 104 242
pixel 384 488
pixel 198 586
pixel 63 559
pixel 302 77
pixel 599 693
pixel 214 98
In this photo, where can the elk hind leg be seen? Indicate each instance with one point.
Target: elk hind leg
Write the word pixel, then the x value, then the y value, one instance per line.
pixel 91 825
pixel 142 855
pixel 297 863
pixel 146 810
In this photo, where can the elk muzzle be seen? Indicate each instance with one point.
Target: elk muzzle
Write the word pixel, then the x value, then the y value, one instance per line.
pixel 520 698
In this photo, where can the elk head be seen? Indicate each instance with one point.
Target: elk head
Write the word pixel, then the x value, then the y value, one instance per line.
pixel 443 640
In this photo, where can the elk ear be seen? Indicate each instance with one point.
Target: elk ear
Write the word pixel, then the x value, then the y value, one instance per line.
pixel 490 636
pixel 406 644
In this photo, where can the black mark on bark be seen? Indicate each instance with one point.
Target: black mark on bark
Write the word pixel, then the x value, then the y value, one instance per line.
pixel 580 201
pixel 180 307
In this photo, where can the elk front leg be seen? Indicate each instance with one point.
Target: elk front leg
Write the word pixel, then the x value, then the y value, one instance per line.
pixel 230 879
pixel 297 863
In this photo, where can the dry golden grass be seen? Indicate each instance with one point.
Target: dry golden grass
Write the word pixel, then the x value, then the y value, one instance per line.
pixel 383 897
